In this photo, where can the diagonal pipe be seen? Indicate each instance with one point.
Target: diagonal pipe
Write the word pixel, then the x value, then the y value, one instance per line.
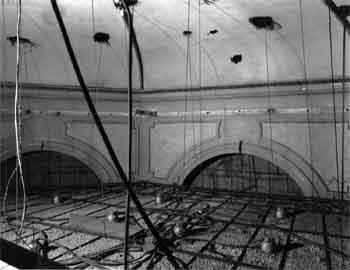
pixel 160 242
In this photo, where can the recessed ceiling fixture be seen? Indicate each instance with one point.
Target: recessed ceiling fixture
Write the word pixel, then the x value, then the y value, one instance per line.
pixel 101 37
pixel 22 40
pixel 236 58
pixel 265 22
pixel 187 32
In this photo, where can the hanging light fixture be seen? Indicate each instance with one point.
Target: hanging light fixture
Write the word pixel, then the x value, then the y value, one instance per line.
pixel 265 22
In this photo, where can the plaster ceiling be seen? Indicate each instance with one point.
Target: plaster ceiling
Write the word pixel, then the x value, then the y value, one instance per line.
pixel 165 49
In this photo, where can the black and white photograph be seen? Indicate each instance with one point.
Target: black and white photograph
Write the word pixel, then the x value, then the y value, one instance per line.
pixel 175 134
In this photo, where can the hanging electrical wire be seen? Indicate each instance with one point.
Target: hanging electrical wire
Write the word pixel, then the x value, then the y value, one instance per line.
pixel 162 247
pixel 333 98
pixel 187 77
pixel 161 26
pixel 120 5
pixel 192 99
pixel 93 16
pixel 307 94
pixel 208 55
pixel 93 27
pixel 3 69
pixel 200 82
pixel 236 20
pixel 98 71
pixel 13 174
pixel 343 111
pixel 17 111
pixel 129 18
pixel 269 108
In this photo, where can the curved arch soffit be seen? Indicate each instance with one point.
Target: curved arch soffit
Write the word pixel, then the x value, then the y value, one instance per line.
pixel 85 153
pixel 307 178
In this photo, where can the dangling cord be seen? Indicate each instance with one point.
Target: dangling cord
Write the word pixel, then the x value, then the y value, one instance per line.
pixel 307 93
pixel 24 55
pixel 99 60
pixel 93 25
pixel 130 125
pixel 17 111
pixel 269 108
pixel 343 114
pixel 98 71
pixel 334 101
pixel 343 136
pixel 342 246
pixel 200 85
pixel 188 70
pixel 93 30
pixel 3 54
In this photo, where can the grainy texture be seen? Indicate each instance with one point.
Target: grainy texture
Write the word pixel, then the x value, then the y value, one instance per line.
pixel 217 224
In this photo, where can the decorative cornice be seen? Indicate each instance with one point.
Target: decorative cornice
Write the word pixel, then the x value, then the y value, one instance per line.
pixel 305 83
pixel 75 88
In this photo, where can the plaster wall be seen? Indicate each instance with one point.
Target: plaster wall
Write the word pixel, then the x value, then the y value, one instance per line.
pixel 167 147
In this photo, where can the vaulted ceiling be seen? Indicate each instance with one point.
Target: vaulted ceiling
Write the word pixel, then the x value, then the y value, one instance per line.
pixel 220 29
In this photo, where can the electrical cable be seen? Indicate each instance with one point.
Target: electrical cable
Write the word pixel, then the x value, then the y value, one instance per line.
pixel 93 26
pixel 343 112
pixel 98 72
pixel 82 258
pixel 17 110
pixel 160 242
pixel 269 110
pixel 333 98
pixel 307 94
pixel 160 26
pixel 25 66
pixel 200 83
pixel 3 71
pixel 134 42
pixel 93 17
pixel 187 70
pixel 129 17
pixel 343 131
pixel 6 190
pixel 192 102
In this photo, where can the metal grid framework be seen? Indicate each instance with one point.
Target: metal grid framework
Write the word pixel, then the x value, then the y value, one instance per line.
pixel 239 172
pixel 222 228
pixel 50 170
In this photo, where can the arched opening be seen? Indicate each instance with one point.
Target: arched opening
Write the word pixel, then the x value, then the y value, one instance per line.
pixel 49 171
pixel 242 173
